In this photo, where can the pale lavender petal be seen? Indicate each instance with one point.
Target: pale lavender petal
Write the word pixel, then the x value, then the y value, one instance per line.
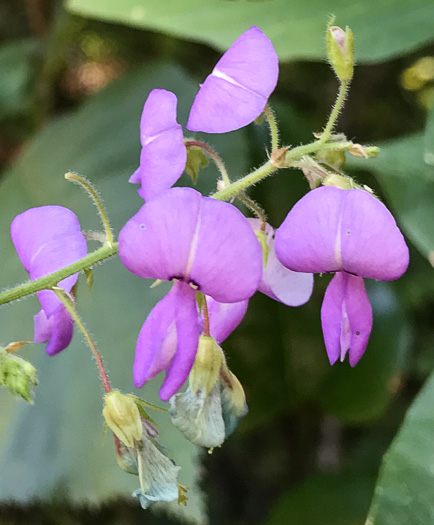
pixel 57 330
pixel 168 340
pixel 280 283
pixel 372 244
pixel 182 235
pixel 226 255
pixel 308 240
pixel 346 318
pixel 156 242
pixel 163 156
pixel 224 317
pixel 188 331
pixel 236 91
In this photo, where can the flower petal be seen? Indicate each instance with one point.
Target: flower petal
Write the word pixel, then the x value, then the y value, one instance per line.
pixel 236 91
pixel 163 156
pixel 181 234
pixel 168 340
pixel 372 244
pixel 188 330
pixel 331 229
pixel 156 242
pixel 57 330
pixel 346 318
pixel 227 263
pixel 224 317
pixel 47 239
pixel 307 240
pixel 280 283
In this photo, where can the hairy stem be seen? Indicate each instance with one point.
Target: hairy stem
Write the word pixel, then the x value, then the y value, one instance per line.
pixel 69 304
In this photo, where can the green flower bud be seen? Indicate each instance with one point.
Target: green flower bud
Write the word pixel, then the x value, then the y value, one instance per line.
pixel 17 375
pixel 340 51
pixel 206 368
pixel 122 416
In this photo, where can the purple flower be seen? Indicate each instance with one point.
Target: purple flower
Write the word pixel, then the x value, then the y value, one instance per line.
pixel 279 283
pixel 200 243
pixel 352 233
pixel 237 90
pixel 163 156
pixel 47 239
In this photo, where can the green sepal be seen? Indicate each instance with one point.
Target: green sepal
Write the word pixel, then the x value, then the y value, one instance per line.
pixel 89 278
pixel 196 160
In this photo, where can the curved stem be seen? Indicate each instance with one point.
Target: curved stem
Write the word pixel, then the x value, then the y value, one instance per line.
pixel 97 201
pixel 254 207
pixel 69 304
pixel 218 161
pixel 206 329
pixel 48 281
pixel 272 124
pixel 343 89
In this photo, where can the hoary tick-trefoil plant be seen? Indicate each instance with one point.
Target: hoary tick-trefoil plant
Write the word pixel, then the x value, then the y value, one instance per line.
pixel 215 257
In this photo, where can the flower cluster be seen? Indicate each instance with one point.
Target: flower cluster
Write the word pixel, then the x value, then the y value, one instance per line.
pixel 216 259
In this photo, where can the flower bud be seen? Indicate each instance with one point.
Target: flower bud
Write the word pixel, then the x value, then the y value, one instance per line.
pixel 122 416
pixel 206 368
pixel 17 375
pixel 340 51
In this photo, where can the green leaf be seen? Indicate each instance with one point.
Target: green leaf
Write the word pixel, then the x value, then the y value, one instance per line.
pixel 381 29
pixel 429 136
pixel 404 491
pixel 408 183
pixel 56 448
pixel 17 71
pixel 341 499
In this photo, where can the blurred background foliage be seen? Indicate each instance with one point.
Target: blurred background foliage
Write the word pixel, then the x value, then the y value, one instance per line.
pixel 73 80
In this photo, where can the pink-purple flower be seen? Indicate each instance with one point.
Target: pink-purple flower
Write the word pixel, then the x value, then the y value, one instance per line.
pixel 231 97
pixel 202 245
pixel 163 155
pixel 47 239
pixel 237 90
pixel 280 283
pixel 352 233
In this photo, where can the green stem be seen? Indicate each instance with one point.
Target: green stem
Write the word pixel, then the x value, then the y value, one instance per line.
pixel 254 207
pixel 69 304
pixel 274 130
pixel 86 185
pixel 343 89
pixel 267 169
pixel 48 281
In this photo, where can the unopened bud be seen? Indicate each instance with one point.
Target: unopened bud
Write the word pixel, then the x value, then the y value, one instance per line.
pixel 122 416
pixel 340 51
pixel 17 375
pixel 206 368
